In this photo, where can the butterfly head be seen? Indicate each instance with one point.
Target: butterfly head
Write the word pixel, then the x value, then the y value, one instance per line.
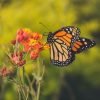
pixel 50 37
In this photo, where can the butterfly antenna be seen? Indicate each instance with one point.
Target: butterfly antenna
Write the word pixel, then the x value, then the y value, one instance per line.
pixel 45 35
pixel 44 26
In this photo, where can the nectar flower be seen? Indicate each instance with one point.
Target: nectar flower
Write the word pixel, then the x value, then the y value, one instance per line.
pixel 22 62
pixel 27 47
pixel 37 45
pixel 4 71
pixel 23 35
pixel 33 42
pixel 16 58
pixel 13 42
pixel 34 54
pixel 36 36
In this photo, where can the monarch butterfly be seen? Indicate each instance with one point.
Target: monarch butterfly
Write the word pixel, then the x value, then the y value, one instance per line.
pixel 65 43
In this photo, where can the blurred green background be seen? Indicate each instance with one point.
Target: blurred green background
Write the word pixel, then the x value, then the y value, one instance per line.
pixel 81 79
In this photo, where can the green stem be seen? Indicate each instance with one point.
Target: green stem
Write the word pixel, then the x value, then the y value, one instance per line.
pixel 38 90
pixel 30 85
pixel 21 84
pixel 38 66
pixel 23 75
pixel 38 80
pixel 19 95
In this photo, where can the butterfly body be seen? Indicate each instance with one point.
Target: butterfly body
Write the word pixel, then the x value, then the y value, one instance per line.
pixel 65 43
pixel 50 38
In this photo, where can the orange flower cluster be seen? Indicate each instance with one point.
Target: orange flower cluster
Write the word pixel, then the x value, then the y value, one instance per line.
pixel 31 42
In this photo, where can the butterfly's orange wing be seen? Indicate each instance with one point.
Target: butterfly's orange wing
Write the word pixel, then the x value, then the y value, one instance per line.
pixel 68 34
pixel 61 43
pixel 60 54
pixel 82 44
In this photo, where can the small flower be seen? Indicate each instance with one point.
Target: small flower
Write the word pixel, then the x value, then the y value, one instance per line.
pixel 22 62
pixel 4 71
pixel 32 43
pixel 36 49
pixel 37 45
pixel 16 58
pixel 13 42
pixel 23 35
pixel 27 48
pixel 36 36
pixel 34 54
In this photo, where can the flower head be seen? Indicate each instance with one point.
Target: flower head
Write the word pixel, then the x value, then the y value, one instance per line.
pixel 33 45
pixel 23 35
pixel 4 71
pixel 38 45
pixel 13 42
pixel 36 36
pixel 34 54
pixel 31 42
pixel 17 59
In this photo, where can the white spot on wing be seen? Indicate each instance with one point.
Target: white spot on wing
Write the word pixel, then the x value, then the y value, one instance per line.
pixel 83 39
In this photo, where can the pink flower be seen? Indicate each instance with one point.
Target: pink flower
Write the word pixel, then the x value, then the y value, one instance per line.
pixel 13 42
pixel 22 62
pixel 4 71
pixel 16 58
pixel 23 35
